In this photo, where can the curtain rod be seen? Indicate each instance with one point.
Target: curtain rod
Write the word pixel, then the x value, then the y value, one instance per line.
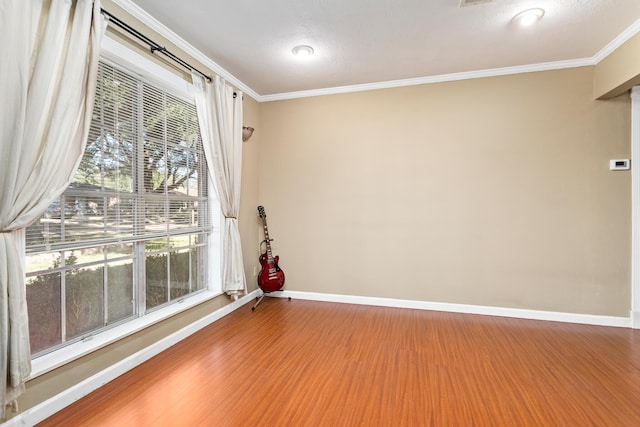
pixel 154 47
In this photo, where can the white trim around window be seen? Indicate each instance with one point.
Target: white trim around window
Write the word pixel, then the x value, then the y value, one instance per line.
pixel 117 53
pixel 50 361
pixel 635 210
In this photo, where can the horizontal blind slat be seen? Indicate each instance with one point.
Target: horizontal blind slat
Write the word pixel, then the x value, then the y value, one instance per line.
pixel 142 176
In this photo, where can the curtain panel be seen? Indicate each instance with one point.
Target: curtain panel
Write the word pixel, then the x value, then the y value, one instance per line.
pixel 220 117
pixel 48 69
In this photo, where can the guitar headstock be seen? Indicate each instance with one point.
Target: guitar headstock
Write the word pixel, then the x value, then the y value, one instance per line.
pixel 261 212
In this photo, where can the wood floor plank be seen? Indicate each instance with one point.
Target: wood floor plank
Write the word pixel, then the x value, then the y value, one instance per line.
pixel 304 363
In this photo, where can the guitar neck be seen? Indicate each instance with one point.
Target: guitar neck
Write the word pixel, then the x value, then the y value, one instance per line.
pixel 267 239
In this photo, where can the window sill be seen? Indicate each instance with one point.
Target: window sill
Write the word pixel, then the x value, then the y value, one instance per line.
pixel 48 362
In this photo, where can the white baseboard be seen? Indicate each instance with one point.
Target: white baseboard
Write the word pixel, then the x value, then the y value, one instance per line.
pixel 635 319
pixel 44 410
pixel 49 407
pixel 587 319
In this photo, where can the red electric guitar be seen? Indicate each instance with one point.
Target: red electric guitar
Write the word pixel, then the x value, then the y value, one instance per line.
pixel 271 277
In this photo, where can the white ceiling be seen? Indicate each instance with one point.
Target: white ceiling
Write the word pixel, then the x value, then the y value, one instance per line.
pixel 359 42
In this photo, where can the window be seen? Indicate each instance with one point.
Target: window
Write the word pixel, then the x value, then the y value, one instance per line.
pixel 130 234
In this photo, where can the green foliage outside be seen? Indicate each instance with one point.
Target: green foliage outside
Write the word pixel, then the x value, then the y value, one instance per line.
pixel 170 130
pixel 85 293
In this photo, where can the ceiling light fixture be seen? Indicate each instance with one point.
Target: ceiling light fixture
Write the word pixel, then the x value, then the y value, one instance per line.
pixel 528 17
pixel 302 51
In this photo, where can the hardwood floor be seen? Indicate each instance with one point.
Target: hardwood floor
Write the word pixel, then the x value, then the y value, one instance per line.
pixel 304 363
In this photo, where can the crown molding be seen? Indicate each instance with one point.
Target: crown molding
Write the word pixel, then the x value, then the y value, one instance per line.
pixel 154 24
pixel 144 17
pixel 618 41
pixel 494 72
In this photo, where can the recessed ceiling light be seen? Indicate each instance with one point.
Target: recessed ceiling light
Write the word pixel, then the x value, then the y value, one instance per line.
pixel 528 17
pixel 302 51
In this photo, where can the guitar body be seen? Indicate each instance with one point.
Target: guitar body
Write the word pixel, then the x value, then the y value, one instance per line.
pixel 271 277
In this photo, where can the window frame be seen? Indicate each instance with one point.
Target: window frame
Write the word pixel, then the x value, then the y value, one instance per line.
pixel 120 56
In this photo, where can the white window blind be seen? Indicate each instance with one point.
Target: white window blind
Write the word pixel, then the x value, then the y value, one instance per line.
pixel 132 231
pixel 142 175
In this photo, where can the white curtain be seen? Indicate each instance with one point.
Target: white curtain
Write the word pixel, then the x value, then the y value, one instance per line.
pixel 220 117
pixel 48 68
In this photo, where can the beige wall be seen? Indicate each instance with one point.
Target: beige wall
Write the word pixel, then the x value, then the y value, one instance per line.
pixel 248 219
pixel 619 71
pixel 491 191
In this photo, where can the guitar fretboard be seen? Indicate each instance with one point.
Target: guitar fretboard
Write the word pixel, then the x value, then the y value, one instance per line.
pixel 267 239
